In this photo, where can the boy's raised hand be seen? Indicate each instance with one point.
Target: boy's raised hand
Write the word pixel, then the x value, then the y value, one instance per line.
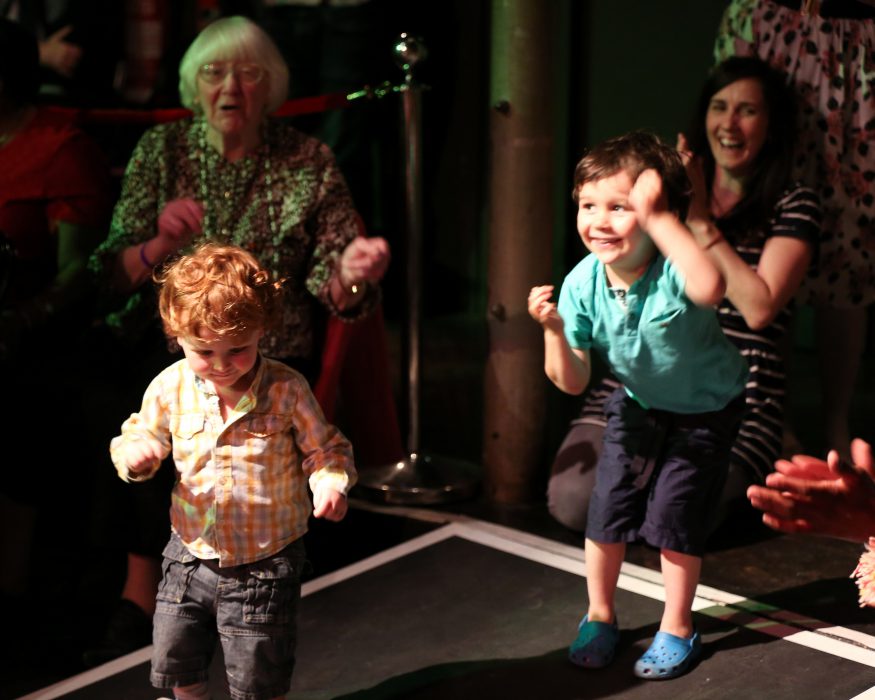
pixel 647 197
pixel 329 503
pixel 543 310
pixel 141 455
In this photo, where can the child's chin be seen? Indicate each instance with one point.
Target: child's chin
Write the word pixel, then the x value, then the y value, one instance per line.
pixel 224 381
pixel 607 257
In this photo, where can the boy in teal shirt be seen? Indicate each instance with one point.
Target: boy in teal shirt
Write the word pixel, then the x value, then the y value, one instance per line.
pixel 643 299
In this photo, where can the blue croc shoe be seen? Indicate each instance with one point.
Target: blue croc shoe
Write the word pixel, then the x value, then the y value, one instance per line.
pixel 668 656
pixel 595 643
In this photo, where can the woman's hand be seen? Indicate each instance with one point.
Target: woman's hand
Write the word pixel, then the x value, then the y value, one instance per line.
pixel 810 495
pixel 698 211
pixel 60 55
pixel 179 222
pixel 363 260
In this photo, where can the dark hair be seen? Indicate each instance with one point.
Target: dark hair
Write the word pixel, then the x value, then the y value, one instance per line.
pixel 633 153
pixel 19 64
pixel 772 167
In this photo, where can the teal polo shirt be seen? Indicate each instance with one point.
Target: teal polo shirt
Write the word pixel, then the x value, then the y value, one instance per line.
pixel 669 353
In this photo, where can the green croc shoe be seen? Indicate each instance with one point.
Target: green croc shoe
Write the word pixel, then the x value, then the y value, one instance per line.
pixel 595 643
pixel 669 656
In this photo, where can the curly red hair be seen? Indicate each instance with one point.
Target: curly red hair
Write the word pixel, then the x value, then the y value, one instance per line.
pixel 217 288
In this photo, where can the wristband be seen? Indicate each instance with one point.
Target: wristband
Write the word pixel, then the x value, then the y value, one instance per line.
pixel 144 259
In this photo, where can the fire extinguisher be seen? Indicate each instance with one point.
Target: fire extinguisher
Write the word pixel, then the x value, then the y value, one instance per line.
pixel 145 37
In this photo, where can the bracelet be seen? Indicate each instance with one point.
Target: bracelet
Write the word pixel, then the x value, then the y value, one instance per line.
pixel 143 257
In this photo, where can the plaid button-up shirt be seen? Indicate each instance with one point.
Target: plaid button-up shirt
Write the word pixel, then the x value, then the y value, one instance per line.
pixel 241 490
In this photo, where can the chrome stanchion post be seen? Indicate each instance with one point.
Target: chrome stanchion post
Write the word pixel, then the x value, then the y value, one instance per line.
pixel 409 51
pixel 419 478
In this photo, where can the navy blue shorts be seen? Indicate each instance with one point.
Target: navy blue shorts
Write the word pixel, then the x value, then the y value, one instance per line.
pixel 660 474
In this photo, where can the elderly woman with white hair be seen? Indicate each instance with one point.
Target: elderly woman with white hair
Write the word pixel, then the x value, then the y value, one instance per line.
pixel 231 174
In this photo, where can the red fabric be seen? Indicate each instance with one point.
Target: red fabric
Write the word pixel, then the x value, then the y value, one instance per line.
pixel 149 117
pixel 49 172
pixel 334 350
pixel 355 367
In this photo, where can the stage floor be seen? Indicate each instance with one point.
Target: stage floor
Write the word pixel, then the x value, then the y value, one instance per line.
pixel 472 609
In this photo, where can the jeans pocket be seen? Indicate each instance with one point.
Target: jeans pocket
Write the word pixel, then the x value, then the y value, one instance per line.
pixel 271 589
pixel 177 569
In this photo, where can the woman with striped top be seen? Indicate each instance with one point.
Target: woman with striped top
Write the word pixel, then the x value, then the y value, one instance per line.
pixel 761 229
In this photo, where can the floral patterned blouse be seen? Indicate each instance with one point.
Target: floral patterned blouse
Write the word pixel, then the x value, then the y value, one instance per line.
pixel 286 202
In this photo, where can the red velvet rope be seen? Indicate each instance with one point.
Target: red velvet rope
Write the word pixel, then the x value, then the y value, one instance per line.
pixel 289 108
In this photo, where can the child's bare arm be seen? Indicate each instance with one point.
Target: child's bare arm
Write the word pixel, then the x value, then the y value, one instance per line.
pixel 568 368
pixel 704 283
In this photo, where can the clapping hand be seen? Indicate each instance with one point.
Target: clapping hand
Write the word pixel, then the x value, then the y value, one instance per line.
pixel 698 209
pixel 178 223
pixel 364 260
pixel 810 495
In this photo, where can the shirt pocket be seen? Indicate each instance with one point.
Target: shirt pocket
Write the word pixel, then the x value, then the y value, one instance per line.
pixel 264 425
pixel 267 431
pixel 186 430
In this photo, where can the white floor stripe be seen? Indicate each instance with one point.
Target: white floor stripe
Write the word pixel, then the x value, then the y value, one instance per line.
pixel 850 635
pixel 836 647
pixel 376 560
pixel 123 663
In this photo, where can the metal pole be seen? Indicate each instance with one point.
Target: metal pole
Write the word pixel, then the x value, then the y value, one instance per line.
pixel 411 105
pixel 420 478
pixel 521 223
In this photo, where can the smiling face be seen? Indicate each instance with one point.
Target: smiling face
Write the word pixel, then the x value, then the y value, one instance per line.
pixel 233 96
pixel 608 226
pixel 229 363
pixel 736 124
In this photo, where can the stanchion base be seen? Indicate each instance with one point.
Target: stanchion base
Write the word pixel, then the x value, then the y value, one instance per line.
pixel 420 479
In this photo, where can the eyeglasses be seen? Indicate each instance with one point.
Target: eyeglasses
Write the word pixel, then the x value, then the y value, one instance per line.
pixel 216 72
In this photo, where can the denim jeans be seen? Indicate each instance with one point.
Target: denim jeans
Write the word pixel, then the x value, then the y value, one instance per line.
pixel 251 609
